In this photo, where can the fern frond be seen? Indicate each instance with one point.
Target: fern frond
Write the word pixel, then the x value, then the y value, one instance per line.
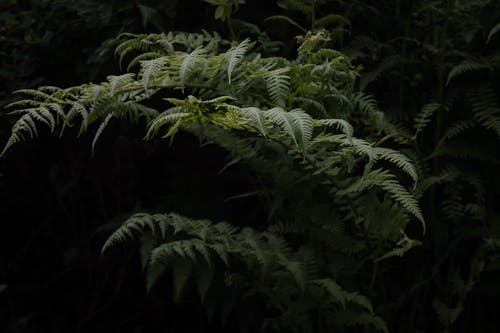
pixel 303 123
pixel 365 103
pixel 350 318
pixel 310 102
pixel 171 115
pixel 26 124
pixel 385 180
pixel 467 66
pixel 258 118
pixel 340 124
pixel 331 19
pixel 339 295
pixel 143 57
pixel 493 32
pixel 402 161
pixel 235 56
pixel 424 116
pixel 118 81
pixel 151 69
pixel 100 130
pixel 403 245
pixel 296 124
pixel 363 147
pixel 485 108
pixel 456 129
pixel 278 85
pixel 189 62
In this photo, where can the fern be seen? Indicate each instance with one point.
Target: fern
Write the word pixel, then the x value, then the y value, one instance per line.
pixel 189 63
pixel 117 82
pixel 235 56
pixel 341 124
pixel 423 118
pixel 402 161
pixel 266 116
pixel 493 31
pixel 258 118
pixel 485 108
pixel 278 85
pixel 191 246
pixel 386 181
pixel 296 124
pixel 466 66
pixel 151 69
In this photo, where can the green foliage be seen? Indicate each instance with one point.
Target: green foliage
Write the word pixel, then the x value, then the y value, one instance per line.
pixel 343 160
pixel 256 262
pixel 245 103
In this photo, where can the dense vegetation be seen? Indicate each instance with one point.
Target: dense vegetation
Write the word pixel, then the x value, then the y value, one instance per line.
pixel 278 166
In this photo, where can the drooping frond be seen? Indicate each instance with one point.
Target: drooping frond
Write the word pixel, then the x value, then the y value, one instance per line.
pixel 151 69
pixel 331 19
pixel 467 66
pixel 340 124
pixel 258 118
pixel 297 124
pixel 101 128
pixel 189 62
pixel 142 57
pixel 364 147
pixel 119 81
pixel 402 161
pixel 485 108
pixel 423 118
pixel 385 180
pixel 235 56
pixel 278 85
pixel 342 296
pixel 493 31
pixel 365 103
pixel 403 245
pixel 171 115
pixel 456 129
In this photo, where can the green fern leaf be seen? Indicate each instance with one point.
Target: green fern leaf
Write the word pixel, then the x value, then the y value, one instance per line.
pixel 119 81
pixel 235 56
pixel 151 69
pixel 331 19
pixel 296 124
pixel 423 118
pixel 493 31
pixel 278 85
pixel 340 124
pixel 456 129
pixel 257 117
pixel 189 63
pixel 303 123
pixel 402 161
pixel 181 273
pixel 143 57
pixel 467 66
pixel 100 130
pixel 169 116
